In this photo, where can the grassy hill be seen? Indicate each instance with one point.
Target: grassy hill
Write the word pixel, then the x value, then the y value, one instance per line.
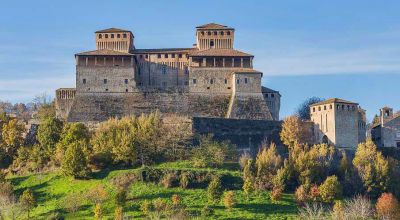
pixel 52 189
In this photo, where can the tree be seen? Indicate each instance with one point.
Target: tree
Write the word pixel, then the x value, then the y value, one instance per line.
pixel 27 200
pixel 376 120
pixel 248 186
pixel 73 201
pixel 120 197
pixel 372 167
pixel 73 133
pixel 303 111
pixel 249 170
pixel 98 211
pixel 387 207
pixel 214 190
pixel 212 153
pixel 12 135
pixel 118 213
pixel 74 162
pixel 268 162
pixel 294 131
pixel 48 134
pixel 229 200
pixel 97 195
pixel 330 190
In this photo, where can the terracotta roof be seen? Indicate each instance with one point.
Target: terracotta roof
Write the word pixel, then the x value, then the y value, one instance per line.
pixel 334 100
pixel 213 26
pixel 112 30
pixel 220 53
pixel 103 52
pixel 163 50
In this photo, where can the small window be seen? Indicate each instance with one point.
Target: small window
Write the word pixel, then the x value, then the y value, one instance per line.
pixel 228 33
pixel 158 55
pixel 211 81
pixel 166 55
pixel 173 55
pixel 118 35
pixel 245 80
pixel 106 35
pixel 208 87
pixel 147 56
pixel 215 33
pixel 313 109
pixel 319 108
pixel 229 87
pixel 194 81
pixel 226 81
pixel 112 35
pixel 124 35
pixel 337 107
pixel 126 90
pixel 105 81
pixel 202 33
pixel 209 33
pixel 186 83
pixel 222 33
pixel 324 107
pixel 266 95
pixel 126 81
pixel 330 106
pixel 100 36
pixel 106 90
pixel 180 55
pixel 272 95
pixel 237 81
pixel 164 70
pixel 342 107
pixel 212 43
pixel 84 81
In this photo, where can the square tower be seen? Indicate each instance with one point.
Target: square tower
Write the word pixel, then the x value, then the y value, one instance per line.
pixel 338 122
pixel 214 36
pixel 115 39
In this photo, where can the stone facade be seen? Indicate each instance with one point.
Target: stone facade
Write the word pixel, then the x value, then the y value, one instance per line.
pixel 387 132
pixel 338 122
pixel 210 79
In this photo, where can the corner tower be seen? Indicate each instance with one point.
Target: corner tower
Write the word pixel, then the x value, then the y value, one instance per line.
pixel 214 36
pixel 115 39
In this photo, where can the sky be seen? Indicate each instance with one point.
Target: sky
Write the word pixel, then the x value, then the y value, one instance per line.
pixel 344 49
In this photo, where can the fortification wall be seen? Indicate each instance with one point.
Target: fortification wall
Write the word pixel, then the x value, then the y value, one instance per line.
pixel 211 80
pixel 246 134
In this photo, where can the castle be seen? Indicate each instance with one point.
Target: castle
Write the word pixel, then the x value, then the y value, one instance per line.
pixel 210 79
pixel 386 133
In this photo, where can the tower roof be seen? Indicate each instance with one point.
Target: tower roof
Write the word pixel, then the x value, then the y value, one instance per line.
pixel 219 53
pixel 213 26
pixel 103 52
pixel 334 100
pixel 112 30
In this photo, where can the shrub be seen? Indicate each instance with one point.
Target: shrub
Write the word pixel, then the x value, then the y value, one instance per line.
pixel 73 201
pixel 312 212
pixel 176 200
pixel 338 211
pixel 27 200
pixel 211 153
pixel 184 180
pixel 214 190
pixel 301 194
pixel 168 180
pixel 249 170
pixel 55 216
pixel 159 205
pixel 97 195
pixel 6 192
pixel 359 207
pixel 118 214
pixel 387 207
pixel 122 182
pixel 206 211
pixel 268 162
pixel 276 193
pixel 229 200
pixel 243 159
pixel 248 187
pixel 146 207
pixel 330 189
pixel 74 162
pixel 314 193
pixel 98 211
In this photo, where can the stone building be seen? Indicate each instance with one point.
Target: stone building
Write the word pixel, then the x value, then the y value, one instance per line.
pixel 387 132
pixel 210 79
pixel 338 122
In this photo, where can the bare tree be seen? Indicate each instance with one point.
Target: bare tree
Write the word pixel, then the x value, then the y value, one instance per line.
pixel 303 111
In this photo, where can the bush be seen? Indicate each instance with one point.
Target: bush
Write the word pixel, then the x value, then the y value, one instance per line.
pixel 97 195
pixel 229 200
pixel 301 194
pixel 330 189
pixel 359 207
pixel 120 197
pixel 276 193
pixel 268 162
pixel 118 214
pixel 214 190
pixel 98 211
pixel 314 193
pixel 243 159
pixel 27 200
pixel 73 201
pixel 211 153
pixel 169 179
pixel 146 207
pixel 176 200
pixel 312 212
pixel 184 180
pixel 387 207
pixel 206 211
pixel 248 187
pixel 338 211
pixel 74 162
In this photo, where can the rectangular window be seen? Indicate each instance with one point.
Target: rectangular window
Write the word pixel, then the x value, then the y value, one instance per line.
pixel 124 35
pixel 112 35
pixel 194 81
pixel 272 95
pixel 180 55
pixel 147 56
pixel 159 55
pixel 126 81
pixel 105 81
pixel 211 81
pixel 118 35
pixel 173 55
pixel 237 81
pixel 245 80
pixel 226 81
pixel 84 81
pixel 166 55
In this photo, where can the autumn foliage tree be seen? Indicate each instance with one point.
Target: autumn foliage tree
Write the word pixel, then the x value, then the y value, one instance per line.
pixel 294 131
pixel 330 189
pixel 268 162
pixel 387 207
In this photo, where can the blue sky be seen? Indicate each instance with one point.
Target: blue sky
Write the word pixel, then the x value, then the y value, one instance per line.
pixel 345 49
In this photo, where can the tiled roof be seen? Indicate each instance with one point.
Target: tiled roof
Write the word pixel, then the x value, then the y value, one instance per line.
pixel 112 30
pixel 220 53
pixel 334 100
pixel 103 52
pixel 245 70
pixel 163 50
pixel 213 26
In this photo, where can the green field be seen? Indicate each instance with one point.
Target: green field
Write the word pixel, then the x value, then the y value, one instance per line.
pixel 51 190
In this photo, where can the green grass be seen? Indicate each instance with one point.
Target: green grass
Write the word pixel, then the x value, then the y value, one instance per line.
pixel 52 188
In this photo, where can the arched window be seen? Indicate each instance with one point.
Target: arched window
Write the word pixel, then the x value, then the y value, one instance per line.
pixel 202 33
pixel 215 33
pixel 112 35
pixel 211 43
pixel 106 35
pixel 209 33
pixel 228 33
pixel 100 36
pixel 222 33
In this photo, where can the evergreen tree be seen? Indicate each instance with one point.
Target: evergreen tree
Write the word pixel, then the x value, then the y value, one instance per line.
pixel 48 134
pixel 214 191
pixel 74 162
pixel 28 201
